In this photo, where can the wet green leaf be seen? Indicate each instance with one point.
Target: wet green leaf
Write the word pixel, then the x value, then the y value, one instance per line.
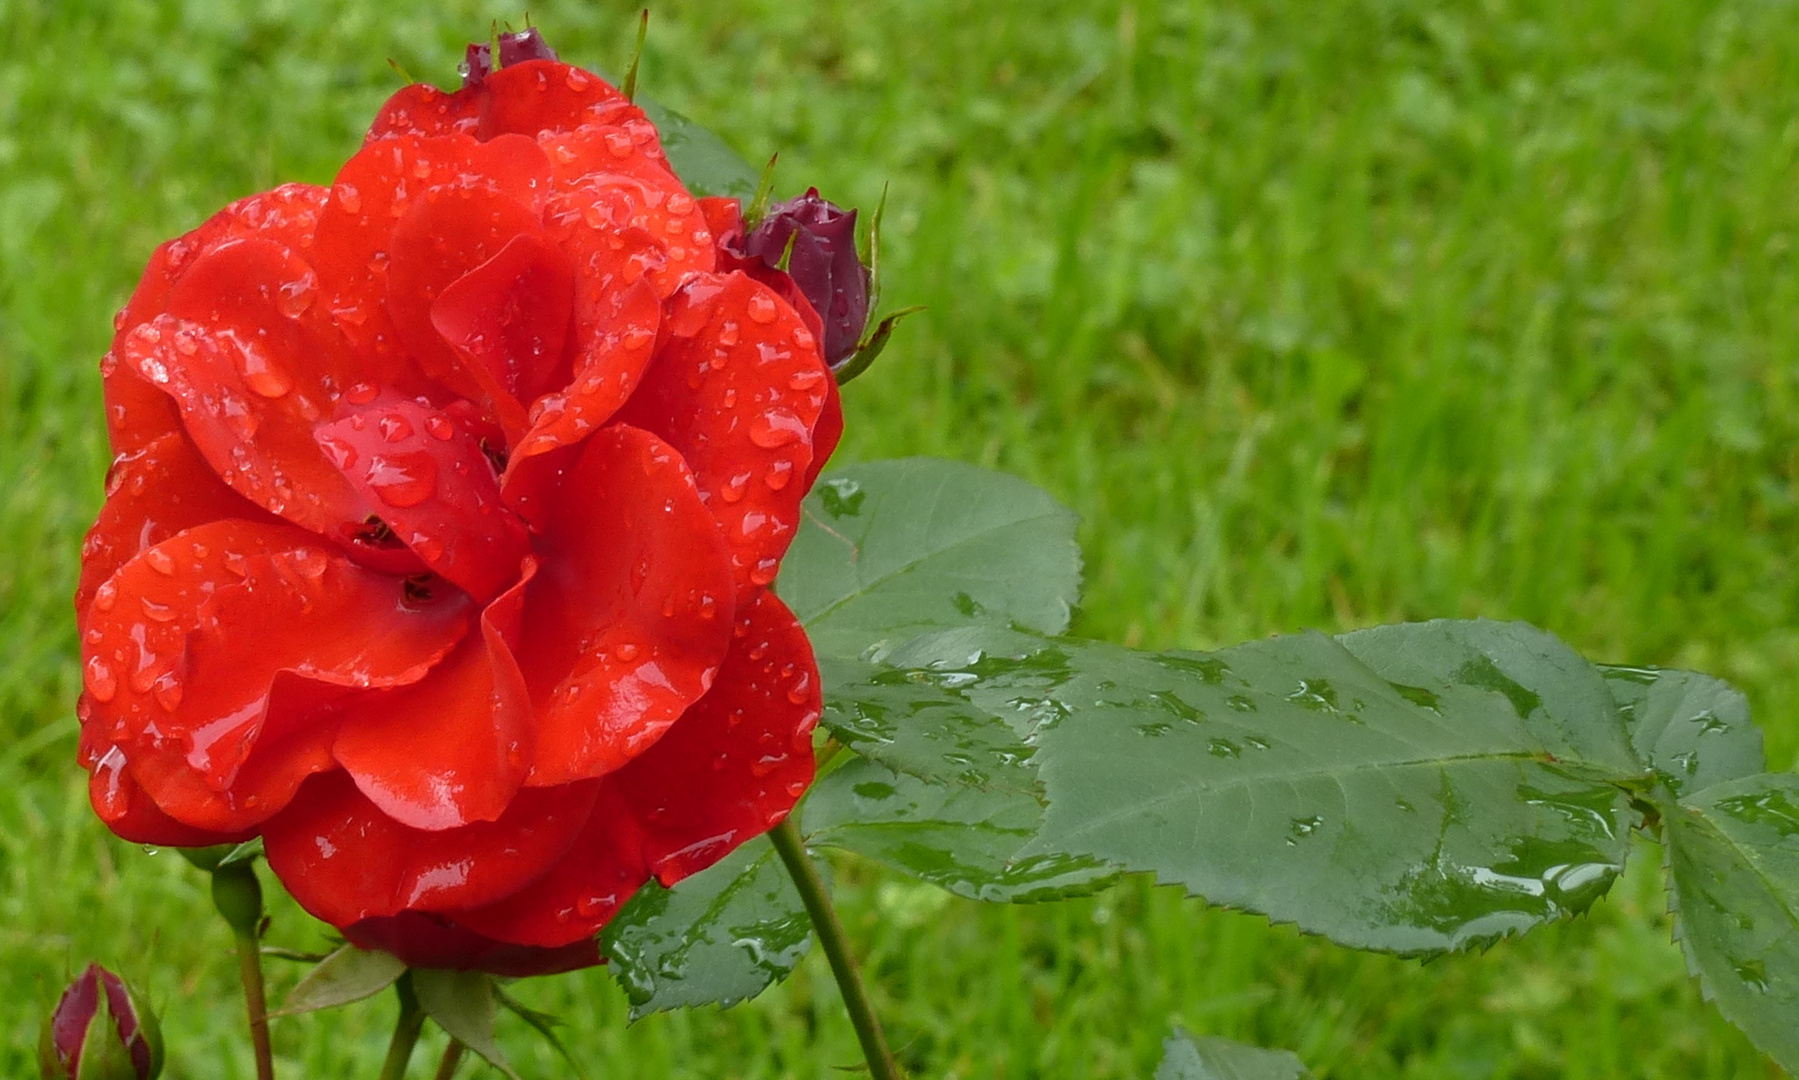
pixel 908 722
pixel 705 163
pixel 716 938
pixel 1185 1057
pixel 349 974
pixel 464 1005
pixel 1412 789
pixel 895 548
pixel 964 839
pixel 1733 861
pixel 1692 729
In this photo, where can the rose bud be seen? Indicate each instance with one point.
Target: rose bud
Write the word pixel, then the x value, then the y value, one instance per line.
pixel 824 264
pixel 95 1035
pixel 477 63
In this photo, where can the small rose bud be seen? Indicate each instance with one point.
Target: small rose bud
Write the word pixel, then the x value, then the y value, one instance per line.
pixel 477 62
pixel 824 265
pixel 100 1031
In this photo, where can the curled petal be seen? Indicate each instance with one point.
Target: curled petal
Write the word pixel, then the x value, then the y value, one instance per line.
pixel 429 483
pixel 508 318
pixel 739 759
pixel 434 246
pixel 346 861
pixel 374 191
pixel 152 493
pixel 630 613
pixel 602 869
pixel 455 748
pixel 738 387
pixel 182 647
pixel 130 813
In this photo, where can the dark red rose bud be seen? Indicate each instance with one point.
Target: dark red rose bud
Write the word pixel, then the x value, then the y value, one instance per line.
pixel 477 63
pixel 824 265
pixel 100 1031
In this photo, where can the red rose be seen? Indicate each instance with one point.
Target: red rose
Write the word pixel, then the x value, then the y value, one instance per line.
pixel 437 545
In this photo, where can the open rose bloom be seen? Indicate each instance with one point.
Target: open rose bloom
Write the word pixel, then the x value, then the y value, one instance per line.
pixel 438 543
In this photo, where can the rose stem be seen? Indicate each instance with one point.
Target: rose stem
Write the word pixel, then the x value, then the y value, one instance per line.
pixel 452 1058
pixel 786 837
pixel 406 1031
pixel 249 970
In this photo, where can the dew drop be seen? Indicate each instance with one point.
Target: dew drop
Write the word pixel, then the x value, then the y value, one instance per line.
pixel 157 612
pixel 402 480
pixel 100 680
pixel 762 307
pixel 779 473
pixel 294 298
pixel 775 429
pixel 262 375
pixel 730 334
pixel 679 203
pixel 394 427
pixel 167 691
pixel 806 379
pixel 578 80
pixel 620 144
pixel 765 571
pixel 626 651
pixel 735 487
pixel 440 427
pixel 160 561
pixel 349 198
pixel 360 394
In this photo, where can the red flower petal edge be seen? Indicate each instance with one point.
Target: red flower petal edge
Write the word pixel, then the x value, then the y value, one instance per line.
pixel 437 544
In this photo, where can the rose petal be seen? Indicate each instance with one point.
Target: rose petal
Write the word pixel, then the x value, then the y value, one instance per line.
pixel 182 646
pixel 545 95
pixel 423 110
pixel 630 613
pixel 509 318
pixel 432 941
pixel 739 759
pixel 434 245
pixel 152 493
pixel 454 748
pixel 738 387
pixel 581 893
pixel 372 193
pixel 130 813
pixel 428 481
pixel 345 861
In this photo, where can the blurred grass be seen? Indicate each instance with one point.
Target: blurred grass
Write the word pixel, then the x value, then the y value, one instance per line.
pixel 1320 314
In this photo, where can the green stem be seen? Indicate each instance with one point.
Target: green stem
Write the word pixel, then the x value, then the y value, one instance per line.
pixel 452 1058
pixel 406 1031
pixel 249 971
pixel 786 837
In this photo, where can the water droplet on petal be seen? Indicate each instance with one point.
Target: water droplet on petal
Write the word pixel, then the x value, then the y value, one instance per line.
pixel 349 198
pixel 620 144
pixel 762 307
pixel 779 473
pixel 360 394
pixel 261 374
pixel 765 571
pixel 440 427
pixel 394 427
pixel 735 487
pixel 105 597
pixel 806 379
pixel 160 561
pixel 402 480
pixel 100 680
pixel 776 428
pixel 295 297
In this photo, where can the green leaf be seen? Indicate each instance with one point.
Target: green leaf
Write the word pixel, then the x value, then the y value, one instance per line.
pixel 705 163
pixel 1411 789
pixel 464 1004
pixel 1185 1057
pixel 719 937
pixel 964 839
pixel 891 549
pixel 910 724
pixel 1692 730
pixel 1733 862
pixel 349 974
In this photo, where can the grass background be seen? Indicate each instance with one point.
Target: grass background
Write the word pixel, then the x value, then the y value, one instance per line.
pixel 1321 314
